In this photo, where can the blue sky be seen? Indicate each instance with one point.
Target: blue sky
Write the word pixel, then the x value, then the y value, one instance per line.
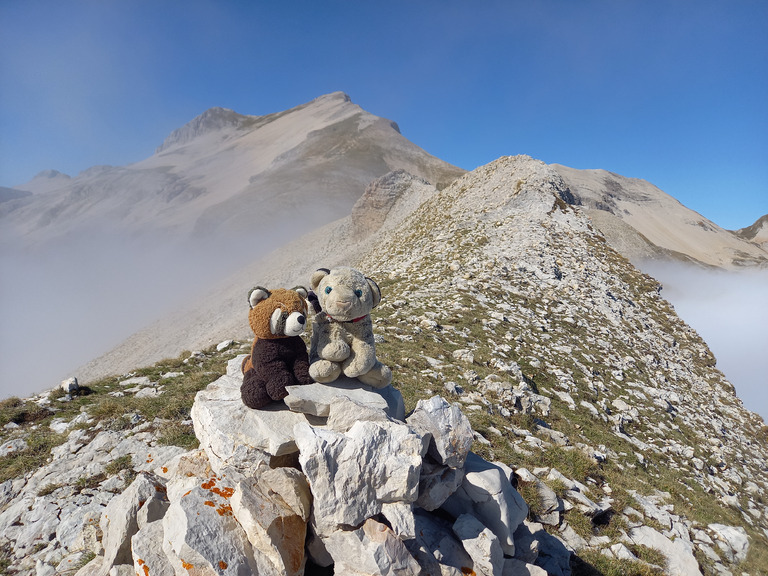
pixel 674 92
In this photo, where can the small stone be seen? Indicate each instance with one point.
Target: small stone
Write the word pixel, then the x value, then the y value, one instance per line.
pixel 70 385
pixel 221 346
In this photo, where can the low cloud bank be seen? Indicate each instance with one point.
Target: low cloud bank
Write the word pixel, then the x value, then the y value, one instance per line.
pixel 62 306
pixel 729 310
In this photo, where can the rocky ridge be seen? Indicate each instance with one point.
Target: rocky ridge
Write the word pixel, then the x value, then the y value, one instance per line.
pixel 627 444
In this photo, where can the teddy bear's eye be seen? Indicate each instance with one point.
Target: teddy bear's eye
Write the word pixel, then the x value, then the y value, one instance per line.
pixel 328 289
pixel 358 293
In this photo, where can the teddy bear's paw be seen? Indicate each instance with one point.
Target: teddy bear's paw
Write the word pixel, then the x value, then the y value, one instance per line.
pixel 335 351
pixel 356 365
pixel 253 394
pixel 380 376
pixel 324 371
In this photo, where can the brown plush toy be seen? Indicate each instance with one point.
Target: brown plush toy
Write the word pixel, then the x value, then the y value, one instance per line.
pixel 279 356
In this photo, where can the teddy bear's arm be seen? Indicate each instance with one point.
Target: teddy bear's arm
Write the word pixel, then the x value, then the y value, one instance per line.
pixel 272 368
pixel 300 361
pixel 327 343
pixel 362 358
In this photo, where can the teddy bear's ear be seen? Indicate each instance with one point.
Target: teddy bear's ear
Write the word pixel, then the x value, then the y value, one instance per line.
pixel 375 291
pixel 301 290
pixel 318 275
pixel 257 295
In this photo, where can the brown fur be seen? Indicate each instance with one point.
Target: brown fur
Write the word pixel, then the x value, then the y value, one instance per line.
pixel 276 360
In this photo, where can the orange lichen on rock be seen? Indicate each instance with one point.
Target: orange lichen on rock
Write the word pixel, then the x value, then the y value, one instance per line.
pixel 223 492
pixel 186 565
pixel 223 565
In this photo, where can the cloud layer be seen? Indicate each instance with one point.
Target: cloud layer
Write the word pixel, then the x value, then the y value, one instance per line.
pixel 729 310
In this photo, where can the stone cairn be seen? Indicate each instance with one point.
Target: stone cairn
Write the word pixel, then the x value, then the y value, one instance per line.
pixel 336 480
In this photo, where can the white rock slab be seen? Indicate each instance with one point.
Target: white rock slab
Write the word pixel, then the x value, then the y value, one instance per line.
pixel 353 474
pixel 344 412
pixel 732 540
pixel 481 544
pixel 450 430
pixel 316 399
pixel 273 509
pixel 233 434
pixel 436 548
pixel 119 521
pixel 148 556
pixel 202 536
pixel 400 518
pixel 371 549
pixel 487 493
pixel 679 554
pixel 15 445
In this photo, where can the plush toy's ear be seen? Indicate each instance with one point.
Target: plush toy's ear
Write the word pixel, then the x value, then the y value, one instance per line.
pixel 318 275
pixel 257 295
pixel 375 291
pixel 301 290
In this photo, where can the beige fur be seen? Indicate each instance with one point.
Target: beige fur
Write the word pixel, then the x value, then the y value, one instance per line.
pixel 342 334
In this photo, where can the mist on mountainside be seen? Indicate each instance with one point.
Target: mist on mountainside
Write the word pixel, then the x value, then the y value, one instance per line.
pixel 66 304
pixel 729 310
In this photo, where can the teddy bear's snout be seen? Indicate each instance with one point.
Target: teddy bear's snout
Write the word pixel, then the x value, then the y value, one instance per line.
pixel 343 304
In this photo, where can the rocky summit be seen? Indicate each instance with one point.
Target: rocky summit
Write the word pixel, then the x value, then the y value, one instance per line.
pixel 549 414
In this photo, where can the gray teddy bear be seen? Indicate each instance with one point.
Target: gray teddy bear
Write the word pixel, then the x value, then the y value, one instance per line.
pixel 342 331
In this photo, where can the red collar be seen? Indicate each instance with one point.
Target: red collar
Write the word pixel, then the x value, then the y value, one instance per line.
pixel 332 319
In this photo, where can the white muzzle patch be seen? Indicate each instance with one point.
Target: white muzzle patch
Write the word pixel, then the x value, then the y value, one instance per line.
pixel 289 324
pixel 294 324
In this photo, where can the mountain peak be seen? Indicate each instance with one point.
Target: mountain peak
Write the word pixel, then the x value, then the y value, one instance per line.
pixel 757 232
pixel 211 120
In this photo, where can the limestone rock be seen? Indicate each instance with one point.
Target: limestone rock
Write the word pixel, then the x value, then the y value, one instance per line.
pixel 481 544
pixel 487 493
pixel 148 555
pixel 450 430
pixel 514 567
pixel 436 483
pixel 344 412
pixel 436 547
pixel 230 432
pixel 400 517
pixel 732 540
pixel 119 522
pixel 203 537
pixel 371 549
pixel 273 509
pixel 316 399
pixel 353 474
pixel 679 553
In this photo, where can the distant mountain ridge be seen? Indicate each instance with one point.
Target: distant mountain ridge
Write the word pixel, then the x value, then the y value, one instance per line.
pixel 226 175
pixel 644 223
pixel 757 232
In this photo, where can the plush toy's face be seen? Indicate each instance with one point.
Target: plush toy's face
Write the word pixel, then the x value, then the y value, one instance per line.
pixel 344 293
pixel 277 313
